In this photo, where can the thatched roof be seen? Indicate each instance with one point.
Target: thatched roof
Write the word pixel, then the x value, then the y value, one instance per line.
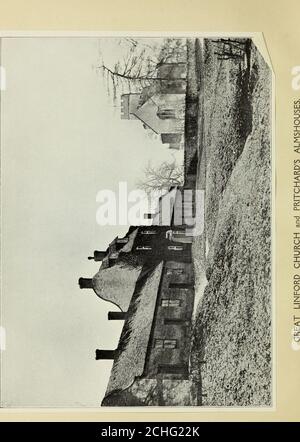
pixel 131 353
pixel 116 284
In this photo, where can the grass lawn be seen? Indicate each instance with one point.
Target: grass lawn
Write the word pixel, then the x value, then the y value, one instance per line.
pixel 231 349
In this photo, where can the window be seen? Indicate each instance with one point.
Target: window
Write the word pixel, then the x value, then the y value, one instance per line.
pixel 165 114
pixel 143 248
pixel 178 232
pixel 148 232
pixel 122 240
pixel 170 302
pixel 173 369
pixel 165 343
pixel 180 285
pixel 175 271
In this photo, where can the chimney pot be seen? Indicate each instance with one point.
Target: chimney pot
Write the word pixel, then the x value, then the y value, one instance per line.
pixel 85 283
pixel 105 354
pixel 112 316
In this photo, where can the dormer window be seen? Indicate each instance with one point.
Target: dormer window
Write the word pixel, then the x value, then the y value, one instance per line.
pixel 170 302
pixel 143 248
pixel 122 240
pixel 148 232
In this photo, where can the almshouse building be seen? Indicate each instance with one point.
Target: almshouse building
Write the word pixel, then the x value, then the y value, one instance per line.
pixel 148 274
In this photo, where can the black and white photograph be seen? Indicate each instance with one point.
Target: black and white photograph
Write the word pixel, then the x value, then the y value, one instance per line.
pixel 137 248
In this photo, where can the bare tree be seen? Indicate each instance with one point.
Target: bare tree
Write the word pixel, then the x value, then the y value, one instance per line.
pixel 173 50
pixel 136 70
pixel 229 48
pixel 161 178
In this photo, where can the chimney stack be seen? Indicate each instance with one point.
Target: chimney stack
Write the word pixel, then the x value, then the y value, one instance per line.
pixel 112 316
pixel 105 354
pixel 85 283
pixel 98 255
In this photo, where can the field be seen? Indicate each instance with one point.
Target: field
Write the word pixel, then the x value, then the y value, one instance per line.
pixel 231 349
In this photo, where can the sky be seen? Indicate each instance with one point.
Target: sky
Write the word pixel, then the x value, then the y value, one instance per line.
pixel 62 141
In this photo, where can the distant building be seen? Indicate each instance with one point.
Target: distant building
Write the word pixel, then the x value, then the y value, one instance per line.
pixel 160 106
